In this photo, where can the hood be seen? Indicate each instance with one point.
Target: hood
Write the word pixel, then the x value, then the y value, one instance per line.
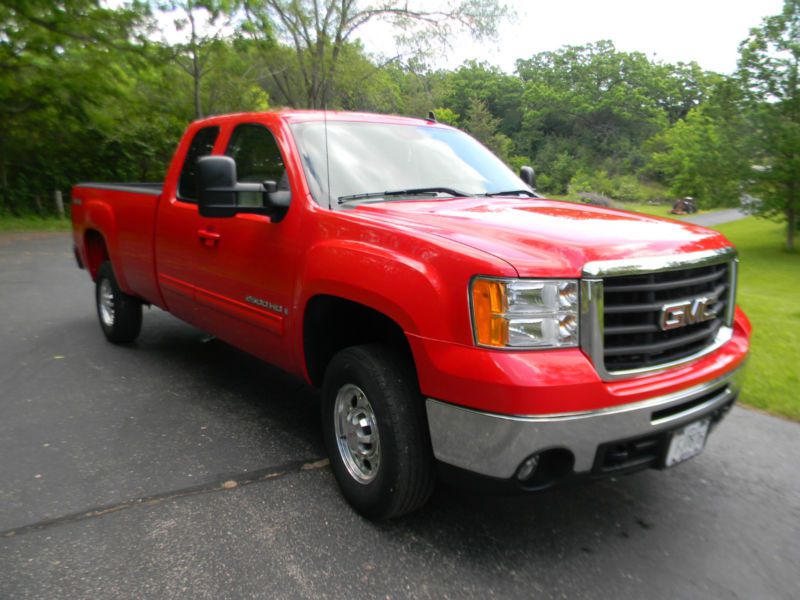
pixel 546 238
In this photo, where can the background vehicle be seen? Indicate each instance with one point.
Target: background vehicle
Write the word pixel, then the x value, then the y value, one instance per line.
pixel 456 322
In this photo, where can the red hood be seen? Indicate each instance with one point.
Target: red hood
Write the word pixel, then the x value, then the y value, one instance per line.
pixel 547 238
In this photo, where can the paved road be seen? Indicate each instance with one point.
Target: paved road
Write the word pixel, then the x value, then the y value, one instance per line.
pixel 717 217
pixel 112 464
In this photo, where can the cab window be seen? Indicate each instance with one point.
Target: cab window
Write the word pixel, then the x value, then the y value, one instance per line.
pixel 258 159
pixel 202 145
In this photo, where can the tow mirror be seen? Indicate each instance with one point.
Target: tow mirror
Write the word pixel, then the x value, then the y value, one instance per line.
pixel 528 175
pixel 216 178
pixel 219 191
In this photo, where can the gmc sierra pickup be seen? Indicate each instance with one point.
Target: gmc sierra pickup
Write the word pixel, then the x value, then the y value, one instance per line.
pixel 458 324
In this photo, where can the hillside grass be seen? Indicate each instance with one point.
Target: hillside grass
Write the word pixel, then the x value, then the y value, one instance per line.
pixel 34 223
pixel 657 210
pixel 769 288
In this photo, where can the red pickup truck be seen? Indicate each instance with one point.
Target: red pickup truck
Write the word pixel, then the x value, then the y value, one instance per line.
pixel 458 324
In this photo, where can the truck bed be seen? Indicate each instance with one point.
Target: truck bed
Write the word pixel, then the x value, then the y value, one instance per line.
pixel 125 213
pixel 154 188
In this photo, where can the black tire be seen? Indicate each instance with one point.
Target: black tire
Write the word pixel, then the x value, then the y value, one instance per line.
pixel 124 322
pixel 404 478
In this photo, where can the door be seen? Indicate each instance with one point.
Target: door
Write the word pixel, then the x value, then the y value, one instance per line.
pixel 244 284
pixel 180 249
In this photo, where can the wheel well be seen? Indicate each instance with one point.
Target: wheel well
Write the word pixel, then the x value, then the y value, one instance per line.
pixel 96 251
pixel 331 324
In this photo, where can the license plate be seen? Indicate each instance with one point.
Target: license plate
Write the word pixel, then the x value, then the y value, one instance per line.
pixel 687 442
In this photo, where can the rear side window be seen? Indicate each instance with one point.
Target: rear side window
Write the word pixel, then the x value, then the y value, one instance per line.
pixel 202 145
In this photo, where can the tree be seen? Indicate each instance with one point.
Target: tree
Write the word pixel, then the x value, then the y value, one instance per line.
pixel 593 107
pixel 705 154
pixel 500 92
pixel 484 127
pixel 199 20
pixel 769 68
pixel 55 63
pixel 317 31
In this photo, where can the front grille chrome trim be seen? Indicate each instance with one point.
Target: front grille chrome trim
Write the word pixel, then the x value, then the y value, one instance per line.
pixel 650 264
pixel 592 304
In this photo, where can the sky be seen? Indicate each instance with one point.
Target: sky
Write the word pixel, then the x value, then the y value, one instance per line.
pixel 706 31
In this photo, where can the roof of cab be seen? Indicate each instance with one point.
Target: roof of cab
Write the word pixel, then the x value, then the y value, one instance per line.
pixel 300 116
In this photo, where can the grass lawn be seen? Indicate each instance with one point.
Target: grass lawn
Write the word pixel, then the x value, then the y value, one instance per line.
pixel 34 224
pixel 657 210
pixel 769 288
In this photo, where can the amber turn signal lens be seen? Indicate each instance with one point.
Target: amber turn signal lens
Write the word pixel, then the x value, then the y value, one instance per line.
pixel 489 303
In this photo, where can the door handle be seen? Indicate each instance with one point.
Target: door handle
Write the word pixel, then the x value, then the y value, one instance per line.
pixel 208 238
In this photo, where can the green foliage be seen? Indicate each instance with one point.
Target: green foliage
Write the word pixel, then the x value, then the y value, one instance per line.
pixel 591 181
pixel 594 102
pixel 625 188
pixel 769 68
pixel 446 115
pixel 58 63
pixel 484 127
pixel 516 162
pixel 500 94
pixel 34 223
pixel 84 95
pixel 318 31
pixel 705 155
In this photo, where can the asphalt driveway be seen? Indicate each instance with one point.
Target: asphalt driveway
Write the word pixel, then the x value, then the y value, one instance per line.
pixel 181 467
pixel 717 217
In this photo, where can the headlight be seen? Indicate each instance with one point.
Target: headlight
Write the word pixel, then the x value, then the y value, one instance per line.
pixel 525 313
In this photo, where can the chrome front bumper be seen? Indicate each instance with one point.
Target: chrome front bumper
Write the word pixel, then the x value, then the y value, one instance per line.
pixel 495 445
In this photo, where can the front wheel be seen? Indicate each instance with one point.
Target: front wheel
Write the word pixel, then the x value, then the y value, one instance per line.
pixel 375 431
pixel 120 314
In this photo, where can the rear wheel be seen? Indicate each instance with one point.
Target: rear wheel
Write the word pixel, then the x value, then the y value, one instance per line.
pixel 375 431
pixel 120 314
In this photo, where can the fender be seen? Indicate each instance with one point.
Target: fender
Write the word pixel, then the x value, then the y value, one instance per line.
pixel 354 270
pixel 99 217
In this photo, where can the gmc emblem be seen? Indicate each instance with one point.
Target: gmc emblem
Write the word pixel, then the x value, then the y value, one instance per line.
pixel 688 312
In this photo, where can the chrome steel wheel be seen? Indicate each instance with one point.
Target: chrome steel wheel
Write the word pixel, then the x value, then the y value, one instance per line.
pixel 106 303
pixel 357 433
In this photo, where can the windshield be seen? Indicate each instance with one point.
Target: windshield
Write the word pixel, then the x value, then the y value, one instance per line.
pixel 371 158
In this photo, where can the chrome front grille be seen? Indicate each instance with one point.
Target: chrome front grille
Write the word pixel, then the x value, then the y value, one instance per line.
pixel 623 326
pixel 632 335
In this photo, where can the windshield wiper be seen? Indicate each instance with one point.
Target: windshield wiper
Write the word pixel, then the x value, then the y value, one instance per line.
pixel 510 193
pixel 410 192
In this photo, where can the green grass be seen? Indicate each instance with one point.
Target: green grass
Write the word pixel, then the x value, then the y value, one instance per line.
pixel 657 210
pixel 32 223
pixel 769 288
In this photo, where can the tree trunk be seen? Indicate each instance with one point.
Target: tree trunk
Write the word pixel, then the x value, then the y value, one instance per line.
pixel 196 71
pixel 59 200
pixel 4 194
pixel 198 108
pixel 791 227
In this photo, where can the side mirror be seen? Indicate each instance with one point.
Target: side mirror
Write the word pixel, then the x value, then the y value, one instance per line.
pixel 219 191
pixel 528 176
pixel 216 178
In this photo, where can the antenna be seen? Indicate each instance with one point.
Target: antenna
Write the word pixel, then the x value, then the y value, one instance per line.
pixel 327 161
